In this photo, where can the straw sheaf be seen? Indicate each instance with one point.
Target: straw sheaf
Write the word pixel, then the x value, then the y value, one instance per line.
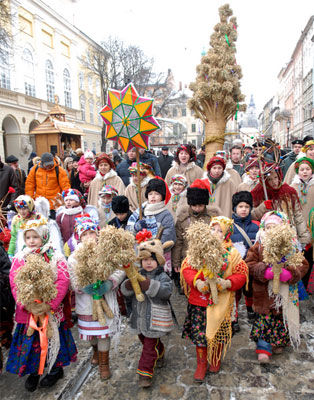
pixel 85 257
pixel 114 250
pixel 35 281
pixel 204 249
pixel 279 242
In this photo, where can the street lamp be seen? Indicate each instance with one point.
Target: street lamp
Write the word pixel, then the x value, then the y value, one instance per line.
pixel 288 129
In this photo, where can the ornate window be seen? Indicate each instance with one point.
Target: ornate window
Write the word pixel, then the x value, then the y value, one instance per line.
pixel 67 88
pixel 83 107
pixel 29 76
pixel 91 110
pixel 81 80
pixel 50 81
pixel 5 81
pixel 90 83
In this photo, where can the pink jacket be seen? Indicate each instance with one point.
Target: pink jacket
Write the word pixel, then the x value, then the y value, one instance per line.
pixel 62 284
pixel 87 171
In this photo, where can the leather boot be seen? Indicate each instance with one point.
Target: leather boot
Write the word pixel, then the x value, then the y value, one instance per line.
pixel 103 358
pixel 94 360
pixel 201 357
pixel 215 361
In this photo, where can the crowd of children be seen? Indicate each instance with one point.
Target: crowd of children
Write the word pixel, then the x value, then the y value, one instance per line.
pixel 238 216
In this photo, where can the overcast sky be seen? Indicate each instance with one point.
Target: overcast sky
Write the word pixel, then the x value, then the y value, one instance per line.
pixel 174 33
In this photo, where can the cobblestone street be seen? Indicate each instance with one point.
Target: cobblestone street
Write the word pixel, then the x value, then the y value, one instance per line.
pixel 288 376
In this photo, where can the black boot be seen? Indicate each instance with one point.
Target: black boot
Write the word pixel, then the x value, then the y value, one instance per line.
pixel 235 327
pixel 31 382
pixel 250 314
pixel 52 378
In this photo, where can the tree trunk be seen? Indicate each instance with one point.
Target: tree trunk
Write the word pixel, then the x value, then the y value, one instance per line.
pixel 214 138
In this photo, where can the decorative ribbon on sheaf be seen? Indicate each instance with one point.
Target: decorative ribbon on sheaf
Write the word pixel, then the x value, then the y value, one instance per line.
pixel 97 289
pixel 42 330
pixel 236 114
pixel 282 261
pixel 142 236
pixel 227 39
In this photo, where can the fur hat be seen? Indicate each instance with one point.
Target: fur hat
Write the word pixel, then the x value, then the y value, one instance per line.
pixel 153 247
pixel 24 201
pixel 89 154
pixel 39 225
pixel 216 160
pixel 198 193
pixel 188 148
pixel 242 197
pixel 156 185
pixel 47 160
pixel 74 194
pixel 85 223
pixel 120 204
pixel 103 157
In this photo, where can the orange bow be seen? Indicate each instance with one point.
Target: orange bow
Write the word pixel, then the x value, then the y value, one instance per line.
pixel 42 330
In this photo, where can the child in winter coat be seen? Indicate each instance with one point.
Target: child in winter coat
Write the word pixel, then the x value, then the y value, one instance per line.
pixel 243 238
pixel 131 191
pixel 24 206
pixel 86 170
pixel 277 320
pixel 120 206
pixel 151 319
pixel 90 330
pixel 25 351
pixel 208 325
pixel 178 195
pixel 105 196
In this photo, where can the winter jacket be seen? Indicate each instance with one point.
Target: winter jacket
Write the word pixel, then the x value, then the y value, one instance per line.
pixel 120 224
pixel 234 176
pixel 123 170
pixel 7 178
pixel 200 159
pixel 222 193
pixel 290 159
pixel 87 171
pixel 202 299
pixel 247 184
pixel 249 227
pixel 111 178
pixel 176 204
pixel 262 303
pixel 21 178
pixel 165 163
pixel 66 220
pixel 185 218
pixel 15 227
pixel 62 285
pixel 307 202
pixel 42 182
pixel 5 263
pixel 131 193
pixel 155 306
pixel 105 215
pixel 150 159
pixel 290 174
pixel 153 222
pixel 75 181
pixel 238 168
pixel 191 172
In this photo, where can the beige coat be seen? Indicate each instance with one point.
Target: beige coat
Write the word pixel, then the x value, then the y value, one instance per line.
pixel 235 176
pixel 290 174
pixel 175 208
pixel 130 193
pixel 247 184
pixel 191 172
pixel 111 178
pixel 222 196
pixel 184 219
pixel 308 202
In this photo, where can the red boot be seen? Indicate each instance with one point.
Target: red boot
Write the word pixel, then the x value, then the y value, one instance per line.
pixel 201 356
pixel 215 361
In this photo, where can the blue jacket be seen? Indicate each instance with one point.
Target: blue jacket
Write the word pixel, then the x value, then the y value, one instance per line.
pixel 122 170
pixel 150 159
pixel 249 227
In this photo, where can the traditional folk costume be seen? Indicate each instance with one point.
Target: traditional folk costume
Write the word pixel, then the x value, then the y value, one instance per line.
pixel 177 201
pixel 105 211
pixel 25 352
pixel 89 329
pixel 208 325
pixel 277 321
pixel 152 318
pixel 131 191
pixel 291 170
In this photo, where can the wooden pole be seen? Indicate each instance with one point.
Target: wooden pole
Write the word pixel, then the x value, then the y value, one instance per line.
pixel 139 189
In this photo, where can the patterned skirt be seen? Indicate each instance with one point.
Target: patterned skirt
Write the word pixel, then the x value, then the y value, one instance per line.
pixel 90 329
pixel 270 328
pixel 24 355
pixel 194 327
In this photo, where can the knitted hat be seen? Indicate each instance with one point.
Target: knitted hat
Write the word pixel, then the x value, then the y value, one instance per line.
pixel 74 195
pixel 226 225
pixel 307 145
pixel 221 153
pixel 304 160
pixel 85 223
pixel 151 248
pixel 242 197
pixel 120 204
pixel 156 185
pixel 214 161
pixel 11 159
pixel 133 169
pixel 188 148
pixel 24 201
pixel 47 160
pixel 103 157
pixel 251 162
pixel 39 225
pixel 273 217
pixel 108 189
pixel 89 154
pixel 198 193
pixel 179 179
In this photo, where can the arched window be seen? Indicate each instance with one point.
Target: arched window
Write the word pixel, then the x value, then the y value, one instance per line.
pixel 83 107
pixel 81 80
pixel 50 81
pixel 67 88
pixel 91 110
pixel 29 76
pixel 5 81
